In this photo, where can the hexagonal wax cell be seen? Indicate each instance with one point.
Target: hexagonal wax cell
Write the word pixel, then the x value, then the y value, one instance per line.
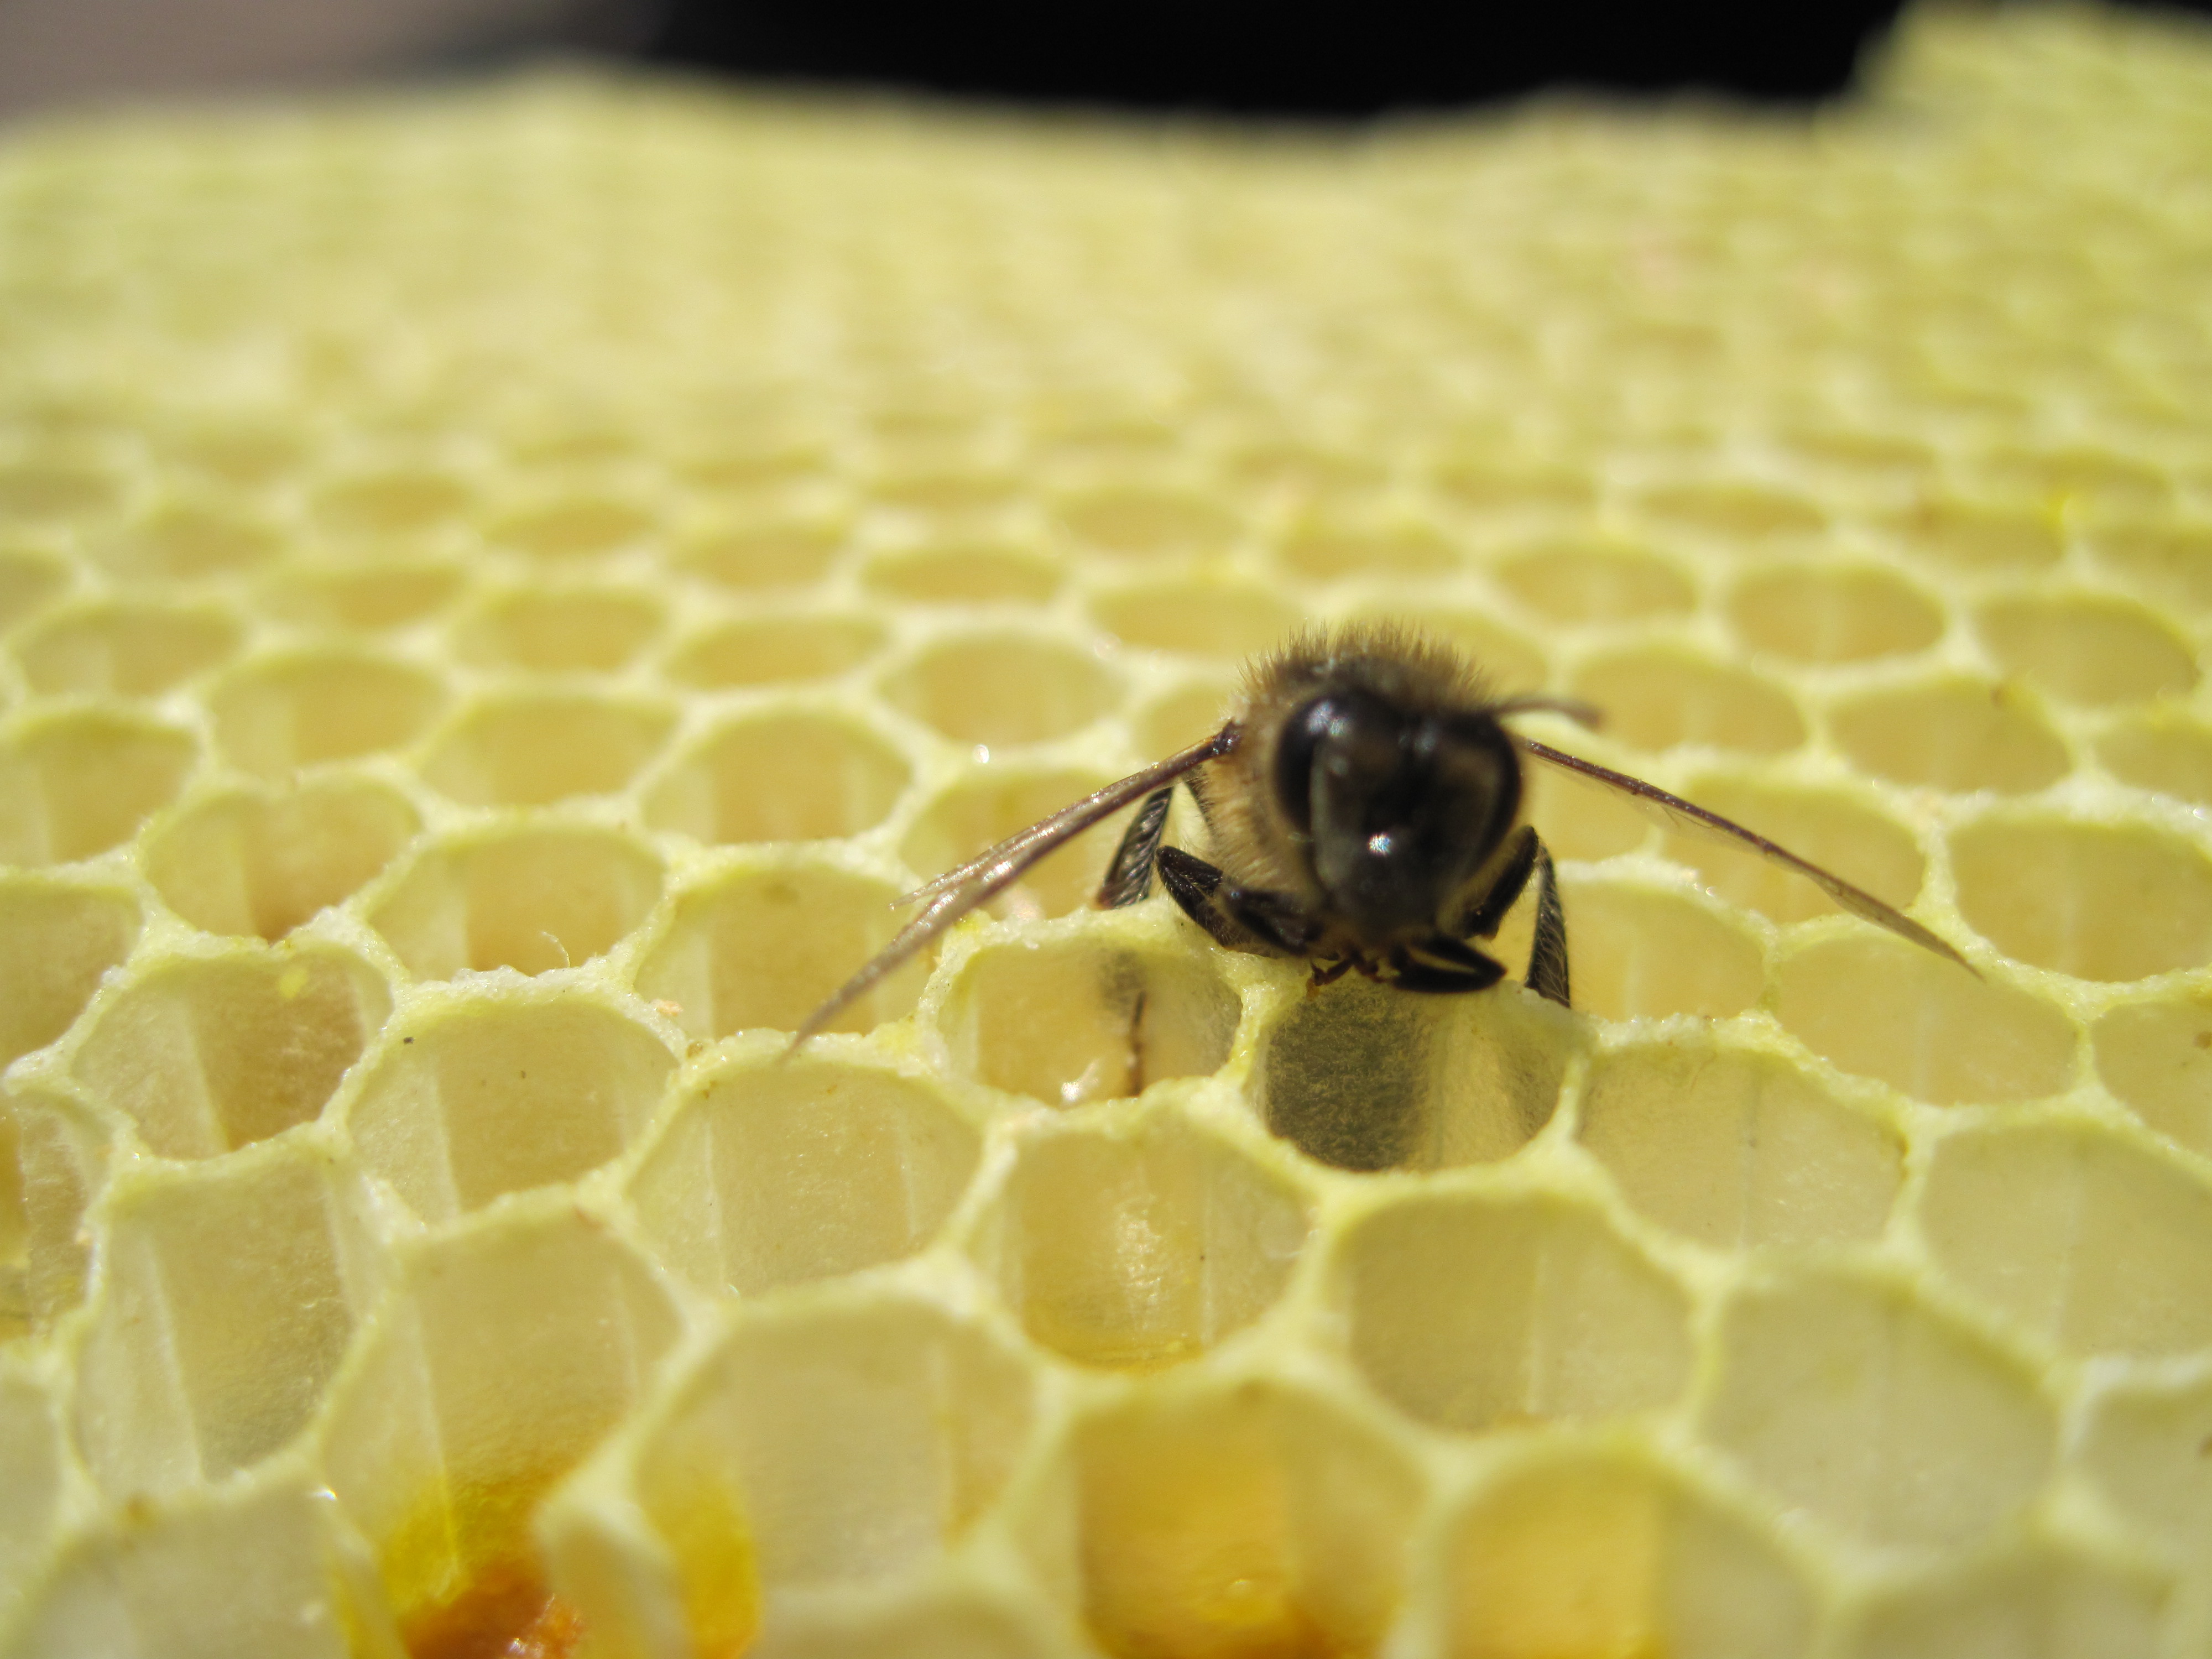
pixel 555 630
pixel 57 940
pixel 1836 831
pixel 523 750
pixel 1304 470
pixel 991 803
pixel 818 1455
pixel 2039 1598
pixel 499 1360
pixel 189 536
pixel 783 774
pixel 578 525
pixel 2156 1057
pixel 1833 613
pixel 261 861
pixel 1247 1516
pixel 1882 1008
pixel 2171 558
pixel 133 648
pixel 1657 697
pixel 2144 1445
pixel 2104 901
pixel 1957 734
pixel 1595 581
pixel 2167 753
pixel 2087 476
pixel 1580 820
pixel 772 649
pixel 29 579
pixel 207 1054
pixel 775 1174
pixel 1515 488
pixel 75 784
pixel 54 1158
pixel 244 1568
pixel 500 1094
pixel 395 501
pixel 54 487
pixel 764 554
pixel 1218 618
pixel 1138 1251
pixel 274 716
pixel 946 496
pixel 765 947
pixel 1193 710
pixel 367 600
pixel 1971 535
pixel 1363 1077
pixel 1072 1021
pixel 534 899
pixel 239 1290
pixel 1850 1399
pixel 1744 513
pixel 1475 1312
pixel 1735 1149
pixel 999 689
pixel 2092 1242
pixel 1129 522
pixel 1576 1551
pixel 34 1453
pixel 957 573
pixel 1325 549
pixel 1641 953
pixel 2088 647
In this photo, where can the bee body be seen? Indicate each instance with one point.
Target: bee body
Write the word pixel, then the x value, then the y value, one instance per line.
pixel 1363 812
pixel 1364 817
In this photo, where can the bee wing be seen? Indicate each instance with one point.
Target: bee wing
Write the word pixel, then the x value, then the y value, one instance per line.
pixel 1689 816
pixel 954 894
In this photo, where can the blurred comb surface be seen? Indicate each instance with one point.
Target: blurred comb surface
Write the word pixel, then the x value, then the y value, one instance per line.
pixel 503 587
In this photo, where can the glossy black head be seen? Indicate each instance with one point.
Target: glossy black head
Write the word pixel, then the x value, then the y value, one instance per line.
pixel 1400 809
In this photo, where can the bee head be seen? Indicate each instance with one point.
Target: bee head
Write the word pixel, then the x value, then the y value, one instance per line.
pixel 1398 809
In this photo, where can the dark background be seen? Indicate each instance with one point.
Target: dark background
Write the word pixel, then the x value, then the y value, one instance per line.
pixel 1331 61
pixel 1199 55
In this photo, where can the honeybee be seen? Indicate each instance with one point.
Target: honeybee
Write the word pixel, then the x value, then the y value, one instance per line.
pixel 1363 805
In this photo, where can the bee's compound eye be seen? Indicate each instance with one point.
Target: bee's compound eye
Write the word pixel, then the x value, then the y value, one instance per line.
pixel 1294 757
pixel 1356 739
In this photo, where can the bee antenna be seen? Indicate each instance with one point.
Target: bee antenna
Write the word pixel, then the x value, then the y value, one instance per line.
pixel 954 894
pixel 1574 708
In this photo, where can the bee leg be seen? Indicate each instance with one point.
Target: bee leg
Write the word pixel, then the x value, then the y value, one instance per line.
pixel 1443 982
pixel 1547 955
pixel 1238 918
pixel 1192 882
pixel 1129 877
pixel 1271 916
pixel 1452 967
pixel 1483 920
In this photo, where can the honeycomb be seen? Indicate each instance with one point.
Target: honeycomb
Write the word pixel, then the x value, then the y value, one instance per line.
pixel 502 585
